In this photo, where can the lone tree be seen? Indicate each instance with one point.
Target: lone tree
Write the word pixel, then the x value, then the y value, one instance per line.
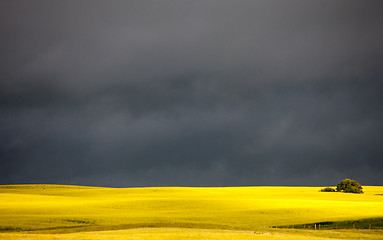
pixel 349 186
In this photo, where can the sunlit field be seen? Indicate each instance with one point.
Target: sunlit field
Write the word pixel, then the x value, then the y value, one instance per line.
pixel 73 212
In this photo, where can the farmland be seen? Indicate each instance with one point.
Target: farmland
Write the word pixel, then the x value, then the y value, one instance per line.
pixel 76 212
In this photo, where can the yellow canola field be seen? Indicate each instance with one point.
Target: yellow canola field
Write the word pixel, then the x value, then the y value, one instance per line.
pixel 68 212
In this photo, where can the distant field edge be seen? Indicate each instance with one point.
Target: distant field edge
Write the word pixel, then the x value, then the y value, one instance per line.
pixel 29 185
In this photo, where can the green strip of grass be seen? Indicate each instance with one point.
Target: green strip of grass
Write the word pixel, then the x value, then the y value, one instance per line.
pixel 367 223
pixel 88 228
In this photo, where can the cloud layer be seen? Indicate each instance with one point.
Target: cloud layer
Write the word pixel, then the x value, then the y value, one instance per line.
pixel 191 93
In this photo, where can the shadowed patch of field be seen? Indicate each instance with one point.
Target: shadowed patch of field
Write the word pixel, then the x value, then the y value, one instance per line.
pixel 368 223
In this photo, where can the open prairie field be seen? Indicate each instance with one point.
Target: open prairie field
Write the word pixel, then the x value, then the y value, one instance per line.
pixel 74 212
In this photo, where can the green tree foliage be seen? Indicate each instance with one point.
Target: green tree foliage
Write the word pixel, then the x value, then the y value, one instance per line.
pixel 327 189
pixel 349 186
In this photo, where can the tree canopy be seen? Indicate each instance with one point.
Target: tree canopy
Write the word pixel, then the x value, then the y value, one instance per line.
pixel 349 186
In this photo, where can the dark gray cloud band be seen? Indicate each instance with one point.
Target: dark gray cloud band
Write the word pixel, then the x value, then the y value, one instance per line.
pixel 191 93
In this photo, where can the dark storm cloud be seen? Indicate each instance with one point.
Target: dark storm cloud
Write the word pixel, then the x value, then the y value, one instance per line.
pixel 141 93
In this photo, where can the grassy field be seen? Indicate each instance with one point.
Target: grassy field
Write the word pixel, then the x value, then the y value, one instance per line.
pixel 74 212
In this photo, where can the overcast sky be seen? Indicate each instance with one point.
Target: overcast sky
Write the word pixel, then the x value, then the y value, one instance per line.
pixel 191 92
